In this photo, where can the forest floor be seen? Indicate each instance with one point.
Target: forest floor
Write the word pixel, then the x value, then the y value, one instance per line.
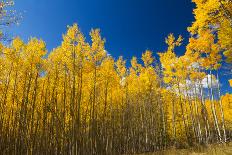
pixel 225 149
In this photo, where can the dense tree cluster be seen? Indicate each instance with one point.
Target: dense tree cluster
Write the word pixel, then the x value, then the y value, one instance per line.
pixel 80 100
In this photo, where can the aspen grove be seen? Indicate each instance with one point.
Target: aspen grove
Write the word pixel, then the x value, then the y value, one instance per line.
pixel 78 99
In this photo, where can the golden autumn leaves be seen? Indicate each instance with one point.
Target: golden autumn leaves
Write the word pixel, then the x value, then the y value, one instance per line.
pixel 78 99
pixel 217 16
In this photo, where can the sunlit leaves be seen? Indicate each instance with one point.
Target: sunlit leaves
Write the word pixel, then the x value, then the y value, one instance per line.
pixel 216 16
pixel 147 58
pixel 78 92
pixel 230 82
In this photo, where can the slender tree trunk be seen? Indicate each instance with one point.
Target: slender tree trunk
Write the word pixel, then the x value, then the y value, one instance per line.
pixel 221 109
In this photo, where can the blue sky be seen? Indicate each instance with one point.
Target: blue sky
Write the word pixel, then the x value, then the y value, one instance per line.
pixel 129 26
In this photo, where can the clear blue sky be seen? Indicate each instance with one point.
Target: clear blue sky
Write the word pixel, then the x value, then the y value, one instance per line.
pixel 129 26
